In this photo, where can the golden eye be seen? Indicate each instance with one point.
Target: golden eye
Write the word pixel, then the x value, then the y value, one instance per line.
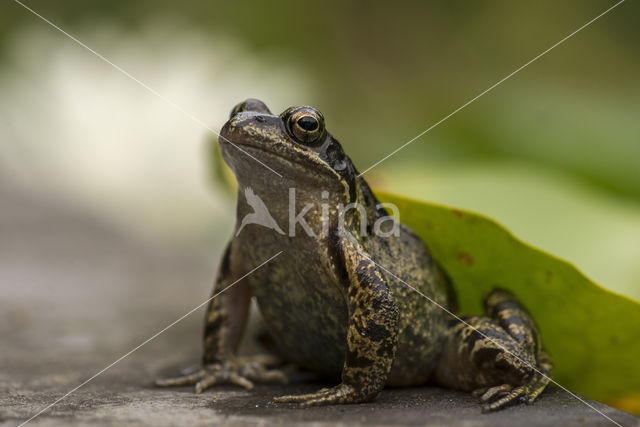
pixel 306 125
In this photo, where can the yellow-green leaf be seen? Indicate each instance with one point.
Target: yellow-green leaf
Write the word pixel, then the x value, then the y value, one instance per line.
pixel 592 334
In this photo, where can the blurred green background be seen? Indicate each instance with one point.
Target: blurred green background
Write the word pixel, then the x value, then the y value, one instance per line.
pixel 552 153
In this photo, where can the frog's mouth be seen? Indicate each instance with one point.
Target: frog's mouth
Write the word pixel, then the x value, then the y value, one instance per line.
pixel 292 171
pixel 263 155
pixel 287 165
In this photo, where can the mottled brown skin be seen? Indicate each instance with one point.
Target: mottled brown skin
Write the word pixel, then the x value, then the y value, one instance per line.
pixel 327 303
pixel 474 358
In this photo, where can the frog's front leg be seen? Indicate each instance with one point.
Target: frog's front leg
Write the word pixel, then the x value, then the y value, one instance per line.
pixel 371 335
pixel 225 322
pixel 498 357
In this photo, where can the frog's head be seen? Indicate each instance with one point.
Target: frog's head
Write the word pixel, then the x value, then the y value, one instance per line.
pixel 295 144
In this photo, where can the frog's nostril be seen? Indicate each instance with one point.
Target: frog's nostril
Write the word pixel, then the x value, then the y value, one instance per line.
pixel 260 119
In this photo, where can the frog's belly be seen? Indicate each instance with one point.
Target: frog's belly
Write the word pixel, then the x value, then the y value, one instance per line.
pixel 303 308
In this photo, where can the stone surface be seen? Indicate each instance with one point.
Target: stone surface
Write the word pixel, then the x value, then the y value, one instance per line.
pixel 77 295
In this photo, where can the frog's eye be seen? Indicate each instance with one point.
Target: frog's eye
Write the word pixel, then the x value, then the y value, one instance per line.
pixel 305 124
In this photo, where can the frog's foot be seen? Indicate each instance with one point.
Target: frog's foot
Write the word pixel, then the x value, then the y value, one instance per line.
pixel 503 348
pixel 342 393
pixel 503 395
pixel 239 372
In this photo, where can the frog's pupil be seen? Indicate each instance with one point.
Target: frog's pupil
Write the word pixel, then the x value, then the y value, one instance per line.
pixel 308 123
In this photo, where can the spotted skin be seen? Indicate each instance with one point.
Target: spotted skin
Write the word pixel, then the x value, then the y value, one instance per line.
pixel 496 357
pixel 371 334
pixel 327 304
pixel 501 306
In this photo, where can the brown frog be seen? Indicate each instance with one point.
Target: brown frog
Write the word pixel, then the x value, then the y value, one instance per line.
pixel 353 293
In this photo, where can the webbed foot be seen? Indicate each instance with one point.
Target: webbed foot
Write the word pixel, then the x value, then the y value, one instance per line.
pixel 342 393
pixel 241 372
pixel 504 395
pixel 499 354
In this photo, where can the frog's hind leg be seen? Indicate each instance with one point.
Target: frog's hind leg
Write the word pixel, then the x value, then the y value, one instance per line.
pixel 505 310
pixel 498 357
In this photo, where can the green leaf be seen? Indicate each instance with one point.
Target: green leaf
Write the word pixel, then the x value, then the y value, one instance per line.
pixel 220 175
pixel 591 333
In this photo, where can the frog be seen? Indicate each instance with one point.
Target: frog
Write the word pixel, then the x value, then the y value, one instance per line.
pixel 364 305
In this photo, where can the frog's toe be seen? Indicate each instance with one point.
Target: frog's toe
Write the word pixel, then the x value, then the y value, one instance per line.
pixel 501 396
pixel 505 400
pixel 205 382
pixel 504 395
pixel 186 379
pixel 238 372
pixel 342 393
pixel 222 377
pixel 301 398
pixel 492 393
pixel 536 388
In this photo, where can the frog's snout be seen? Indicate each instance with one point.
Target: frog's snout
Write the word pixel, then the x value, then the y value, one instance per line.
pixel 252 128
pixel 242 124
pixel 244 119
